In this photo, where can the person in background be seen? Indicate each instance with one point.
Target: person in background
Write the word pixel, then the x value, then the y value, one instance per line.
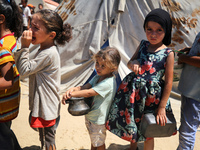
pixel 143 90
pixel 10 27
pixel 190 94
pixel 47 30
pixel 32 8
pixel 103 88
pixel 40 6
pixel 26 14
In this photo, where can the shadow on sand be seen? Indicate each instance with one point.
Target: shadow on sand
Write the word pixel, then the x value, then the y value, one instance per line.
pixel 111 147
pixel 122 147
pixel 32 148
pixel 116 147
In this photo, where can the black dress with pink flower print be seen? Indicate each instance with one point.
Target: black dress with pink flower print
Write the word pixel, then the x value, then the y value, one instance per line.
pixel 138 94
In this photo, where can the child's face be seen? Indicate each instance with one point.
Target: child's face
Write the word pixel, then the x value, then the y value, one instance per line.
pixel 39 32
pixel 101 68
pixel 154 32
pixel 24 3
pixel 40 7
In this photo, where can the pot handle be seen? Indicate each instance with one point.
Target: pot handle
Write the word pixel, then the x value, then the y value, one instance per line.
pixel 69 101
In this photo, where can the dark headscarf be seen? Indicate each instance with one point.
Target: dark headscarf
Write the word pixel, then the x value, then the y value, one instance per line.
pixel 161 17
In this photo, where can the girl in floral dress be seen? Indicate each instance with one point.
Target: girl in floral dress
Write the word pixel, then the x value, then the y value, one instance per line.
pixel 144 90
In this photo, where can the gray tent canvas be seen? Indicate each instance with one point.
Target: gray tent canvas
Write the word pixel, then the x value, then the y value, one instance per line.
pixel 121 23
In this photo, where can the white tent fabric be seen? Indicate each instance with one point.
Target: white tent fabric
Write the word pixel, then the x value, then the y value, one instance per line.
pixel 121 23
pixel 49 4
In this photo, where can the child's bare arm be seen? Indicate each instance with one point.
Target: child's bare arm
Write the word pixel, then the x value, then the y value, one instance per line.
pixel 133 64
pixel 84 93
pixel 191 60
pixel 7 76
pixel 182 51
pixel 161 114
pixel 186 49
pixel 86 86
pixel 68 93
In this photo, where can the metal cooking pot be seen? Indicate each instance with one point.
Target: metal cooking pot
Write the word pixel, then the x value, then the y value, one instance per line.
pixel 78 106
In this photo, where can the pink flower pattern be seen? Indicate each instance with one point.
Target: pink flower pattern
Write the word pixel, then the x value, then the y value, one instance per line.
pixel 147 66
pixel 121 113
pixel 128 137
pixel 127 115
pixel 107 125
pixel 132 97
pixel 123 86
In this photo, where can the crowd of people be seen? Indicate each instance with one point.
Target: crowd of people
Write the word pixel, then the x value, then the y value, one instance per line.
pixel 27 11
pixel 119 111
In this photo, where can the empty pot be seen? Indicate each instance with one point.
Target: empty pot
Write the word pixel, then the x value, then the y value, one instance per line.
pixel 77 106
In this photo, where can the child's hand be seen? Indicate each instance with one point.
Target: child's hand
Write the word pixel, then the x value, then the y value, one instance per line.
pixel 161 117
pixel 135 66
pixel 67 95
pixel 181 58
pixel 64 98
pixel 26 38
pixel 184 50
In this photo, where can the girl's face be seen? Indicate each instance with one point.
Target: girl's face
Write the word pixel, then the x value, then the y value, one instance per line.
pixel 39 32
pixel 101 68
pixel 154 32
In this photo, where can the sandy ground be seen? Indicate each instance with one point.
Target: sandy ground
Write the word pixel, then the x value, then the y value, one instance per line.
pixel 72 134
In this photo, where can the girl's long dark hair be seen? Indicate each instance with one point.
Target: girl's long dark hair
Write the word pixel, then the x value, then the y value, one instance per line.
pixel 13 16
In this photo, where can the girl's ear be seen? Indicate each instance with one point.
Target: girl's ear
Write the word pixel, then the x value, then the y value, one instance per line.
pixel 2 18
pixel 113 69
pixel 52 34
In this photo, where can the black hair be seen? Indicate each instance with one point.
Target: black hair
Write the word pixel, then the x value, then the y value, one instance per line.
pixel 53 22
pixel 13 17
pixel 26 1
